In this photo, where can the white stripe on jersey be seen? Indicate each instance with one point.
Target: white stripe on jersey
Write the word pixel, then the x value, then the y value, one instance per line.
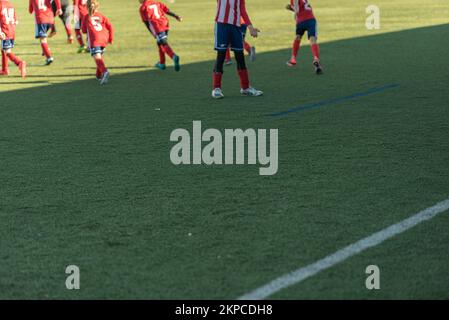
pixel 231 8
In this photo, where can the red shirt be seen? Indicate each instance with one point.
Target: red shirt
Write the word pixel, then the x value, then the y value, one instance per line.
pixel 43 10
pixel 231 12
pixel 153 12
pixel 8 19
pixel 99 30
pixel 80 7
pixel 303 10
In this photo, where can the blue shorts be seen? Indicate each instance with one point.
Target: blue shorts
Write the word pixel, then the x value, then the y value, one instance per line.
pixel 42 29
pixel 96 50
pixel 7 44
pixel 243 28
pixel 228 35
pixel 310 26
pixel 161 37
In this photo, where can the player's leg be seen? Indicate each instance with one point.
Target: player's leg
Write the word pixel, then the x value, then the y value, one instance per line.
pixel 312 33
pixel 66 20
pixel 250 50
pixel 16 60
pixel 97 54
pixel 296 45
pixel 53 27
pixel 228 60
pixel 222 42
pixel 5 69
pixel 79 37
pixel 41 34
pixel 162 39
pixel 218 74
pixel 238 48
pixel 161 64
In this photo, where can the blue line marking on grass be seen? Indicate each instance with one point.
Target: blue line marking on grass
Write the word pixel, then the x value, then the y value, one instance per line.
pixel 334 100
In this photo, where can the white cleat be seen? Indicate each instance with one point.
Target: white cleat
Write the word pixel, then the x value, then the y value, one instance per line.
pixel 251 92
pixel 217 93
pixel 252 54
pixel 105 78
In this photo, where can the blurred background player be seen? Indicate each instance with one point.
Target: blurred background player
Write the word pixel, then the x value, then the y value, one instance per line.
pixel 305 21
pixel 99 34
pixel 66 18
pixel 153 15
pixel 8 22
pixel 45 19
pixel 228 34
pixel 250 50
pixel 79 12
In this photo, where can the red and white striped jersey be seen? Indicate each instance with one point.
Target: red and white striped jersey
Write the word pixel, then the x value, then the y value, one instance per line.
pixel 231 11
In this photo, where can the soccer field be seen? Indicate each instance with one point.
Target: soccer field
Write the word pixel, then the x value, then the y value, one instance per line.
pixel 86 177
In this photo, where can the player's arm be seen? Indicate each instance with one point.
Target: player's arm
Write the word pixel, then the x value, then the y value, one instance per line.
pixel 2 35
pixel 174 15
pixel 252 30
pixel 84 24
pixel 110 28
pixel 30 7
pixel 58 7
pixel 289 7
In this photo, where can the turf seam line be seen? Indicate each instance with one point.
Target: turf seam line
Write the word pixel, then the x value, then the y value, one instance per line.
pixel 334 100
pixel 341 255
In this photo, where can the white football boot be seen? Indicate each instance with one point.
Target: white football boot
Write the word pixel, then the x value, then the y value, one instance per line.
pixel 251 92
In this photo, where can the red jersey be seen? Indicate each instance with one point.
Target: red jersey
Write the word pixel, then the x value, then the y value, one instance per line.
pixel 99 30
pixel 8 19
pixel 43 10
pixel 80 8
pixel 153 13
pixel 303 10
pixel 231 12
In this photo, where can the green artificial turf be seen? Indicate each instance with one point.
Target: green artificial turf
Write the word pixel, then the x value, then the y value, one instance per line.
pixel 86 177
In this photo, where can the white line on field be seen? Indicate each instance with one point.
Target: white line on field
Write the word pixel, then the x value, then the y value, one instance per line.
pixel 375 239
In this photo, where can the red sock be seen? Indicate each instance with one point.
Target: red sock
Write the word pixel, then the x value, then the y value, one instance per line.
pixel 45 49
pixel 316 52
pixel 100 65
pixel 168 50
pixel 4 61
pixel 161 55
pixel 244 78
pixel 68 30
pixel 228 54
pixel 247 47
pixel 217 79
pixel 14 59
pixel 295 49
pixel 98 74
pixel 79 37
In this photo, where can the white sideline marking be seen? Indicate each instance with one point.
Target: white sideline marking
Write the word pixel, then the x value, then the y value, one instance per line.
pixel 375 239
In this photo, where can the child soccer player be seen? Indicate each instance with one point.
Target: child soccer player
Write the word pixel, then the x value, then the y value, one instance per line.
pixel 153 14
pixel 79 12
pixel 44 21
pixel 65 17
pixel 99 34
pixel 228 34
pixel 305 21
pixel 8 22
pixel 251 50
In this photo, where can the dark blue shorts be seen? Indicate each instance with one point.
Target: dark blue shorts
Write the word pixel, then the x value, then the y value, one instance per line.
pixel 243 28
pixel 7 44
pixel 161 37
pixel 95 50
pixel 228 35
pixel 42 29
pixel 310 26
